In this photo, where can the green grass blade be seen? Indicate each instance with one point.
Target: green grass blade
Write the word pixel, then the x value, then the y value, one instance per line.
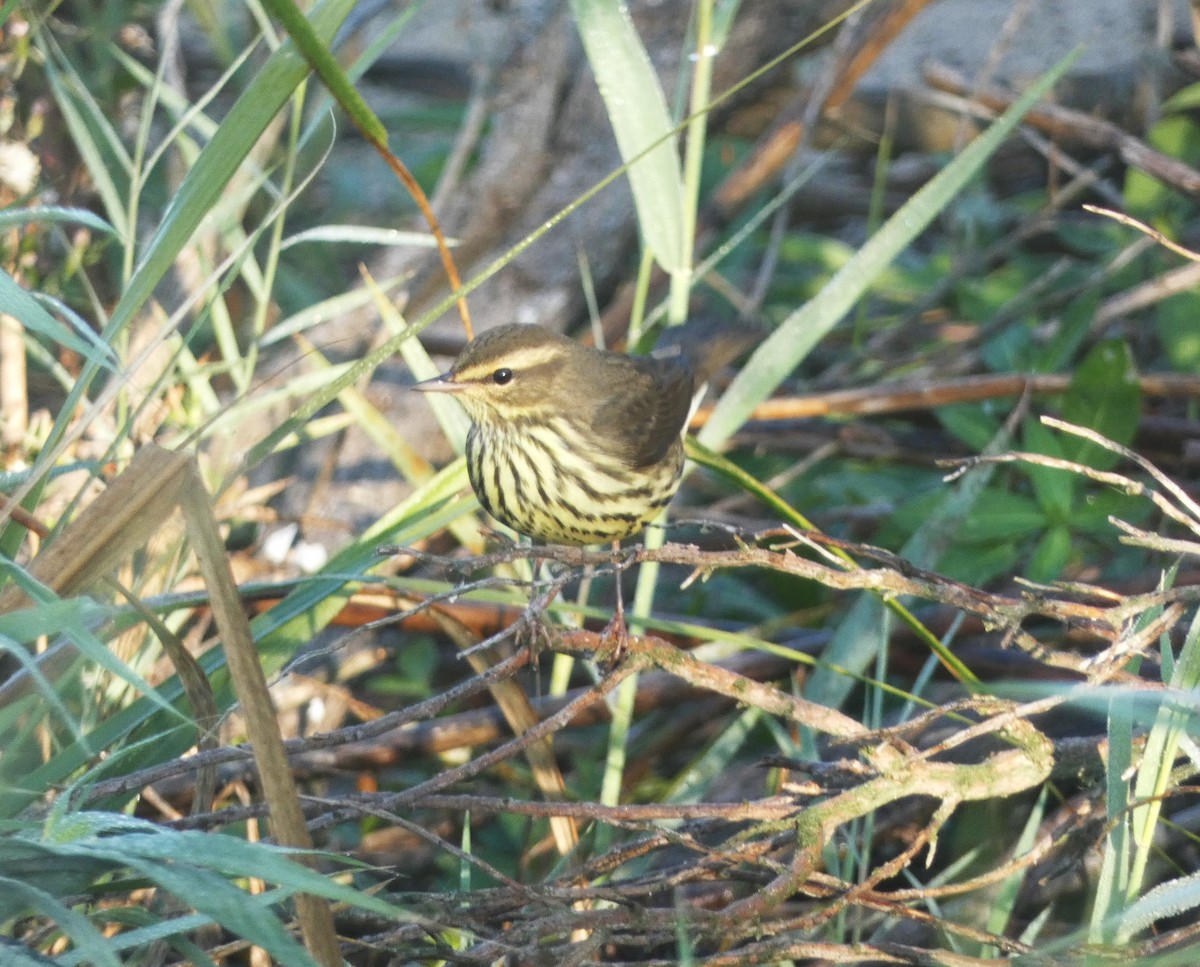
pixel 202 189
pixel 19 304
pixel 641 123
pixel 1171 899
pixel 1162 746
pixel 55 215
pixel 203 186
pixel 89 942
pixel 316 50
pixel 101 147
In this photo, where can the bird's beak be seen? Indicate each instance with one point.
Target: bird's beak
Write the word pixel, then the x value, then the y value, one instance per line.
pixel 440 384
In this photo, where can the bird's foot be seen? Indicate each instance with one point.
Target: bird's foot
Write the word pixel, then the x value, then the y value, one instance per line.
pixel 527 632
pixel 614 638
pixel 531 630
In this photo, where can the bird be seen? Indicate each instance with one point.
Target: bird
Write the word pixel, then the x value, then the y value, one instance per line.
pixel 571 444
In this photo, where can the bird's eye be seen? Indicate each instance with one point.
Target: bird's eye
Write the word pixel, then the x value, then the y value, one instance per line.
pixel 502 377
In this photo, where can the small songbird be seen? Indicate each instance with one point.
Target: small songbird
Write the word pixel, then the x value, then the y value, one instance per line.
pixel 574 445
pixel 569 444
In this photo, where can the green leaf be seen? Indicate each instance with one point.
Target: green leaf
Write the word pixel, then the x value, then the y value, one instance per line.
pixel 1184 100
pixel 1054 489
pixel 1091 514
pixel 641 123
pixel 1150 198
pixel 1051 556
pixel 1076 325
pixel 1001 516
pixel 1103 396
pixel 1011 348
pixel 981 563
pixel 970 422
pixel 1175 318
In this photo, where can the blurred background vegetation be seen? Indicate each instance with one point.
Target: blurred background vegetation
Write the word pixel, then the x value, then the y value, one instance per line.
pixel 202 250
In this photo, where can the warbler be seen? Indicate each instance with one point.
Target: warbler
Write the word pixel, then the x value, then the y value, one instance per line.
pixel 575 445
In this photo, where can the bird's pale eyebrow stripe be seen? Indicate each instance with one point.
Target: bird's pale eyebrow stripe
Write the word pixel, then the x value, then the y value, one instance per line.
pixel 520 359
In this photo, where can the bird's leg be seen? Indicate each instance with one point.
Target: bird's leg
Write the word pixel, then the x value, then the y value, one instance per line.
pixel 528 624
pixel 534 626
pixel 616 630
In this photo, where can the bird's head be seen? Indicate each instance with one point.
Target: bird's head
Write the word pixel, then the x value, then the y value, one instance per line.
pixel 511 371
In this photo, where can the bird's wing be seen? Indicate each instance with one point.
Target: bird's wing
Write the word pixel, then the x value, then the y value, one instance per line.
pixel 654 400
